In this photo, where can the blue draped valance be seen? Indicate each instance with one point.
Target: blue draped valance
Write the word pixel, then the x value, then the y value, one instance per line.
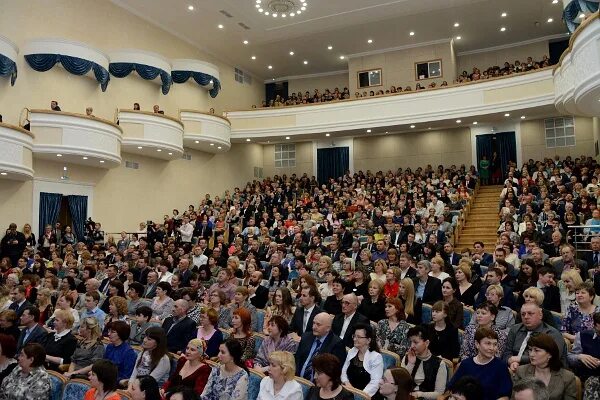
pixel 74 65
pixel 8 67
pixel 122 69
pixel 200 78
pixel 574 9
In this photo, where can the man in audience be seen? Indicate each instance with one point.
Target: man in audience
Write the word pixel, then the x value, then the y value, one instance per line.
pixel 344 323
pixel 304 315
pixel 224 283
pixel 259 295
pixel 547 284
pixel 152 279
pixel 530 389
pixel 180 328
pixel 568 262
pixel 32 332
pixel 406 271
pixel 92 309
pixel 135 299
pixel 427 288
pixel 19 301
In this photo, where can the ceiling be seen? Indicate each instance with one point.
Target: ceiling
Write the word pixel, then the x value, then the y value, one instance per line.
pixel 346 25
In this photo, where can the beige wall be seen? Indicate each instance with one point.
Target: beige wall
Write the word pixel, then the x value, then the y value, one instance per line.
pixel 322 82
pixel 499 57
pixel 596 134
pixel 304 160
pixel 533 142
pixel 392 151
pixel 398 67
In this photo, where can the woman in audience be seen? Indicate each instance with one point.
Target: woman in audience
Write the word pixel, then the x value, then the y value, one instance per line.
pixel 373 306
pixel 570 280
pixel 397 384
pixel 144 388
pixel 277 280
pixel 283 305
pixel 380 269
pixel 162 305
pixel 328 379
pixel 347 272
pixel 278 339
pixel 333 303
pixel 44 300
pixel 61 345
pixel 363 368
pixel 30 283
pixel 324 266
pixel 466 291
pixel 89 348
pixel 230 378
pixel 535 295
pixel 280 383
pixel 68 288
pixel 218 301
pixel 505 317
pixel 444 335
pixel 364 260
pixel 527 276
pixel 8 348
pixel 64 303
pixel 103 380
pixel 9 324
pixel 5 300
pixel 153 360
pixel 191 370
pixel 418 360
pixel 209 332
pixel 455 307
pixel 241 300
pixel 392 331
pixel 392 282
pixel 326 288
pixel 580 315
pixel 242 333
pixel 118 350
pixel 29 380
pixel 489 370
pixel 413 306
pixel 485 316
pixel 437 268
pixel 359 286
pixel 545 364
pixel 117 311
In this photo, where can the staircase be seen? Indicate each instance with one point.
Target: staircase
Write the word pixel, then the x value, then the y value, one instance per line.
pixel 482 220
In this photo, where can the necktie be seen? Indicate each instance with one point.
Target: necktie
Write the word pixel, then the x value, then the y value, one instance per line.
pixel 305 320
pixel 14 306
pixel 595 258
pixel 308 370
pixel 524 345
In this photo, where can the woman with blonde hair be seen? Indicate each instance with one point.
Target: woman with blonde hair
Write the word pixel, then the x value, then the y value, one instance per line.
pixel 5 300
pixel 89 348
pixel 373 305
pixel 466 291
pixel 62 346
pixel 413 307
pixel 535 295
pixel 569 281
pixel 323 266
pixel 191 371
pixel 379 270
pixel 280 383
pixel 44 300
pixel 117 311
pixel 437 268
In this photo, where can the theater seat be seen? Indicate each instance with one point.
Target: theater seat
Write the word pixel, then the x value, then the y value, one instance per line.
pixel 75 389
pixel 426 313
pixel 58 382
pixel 305 384
pixel 254 378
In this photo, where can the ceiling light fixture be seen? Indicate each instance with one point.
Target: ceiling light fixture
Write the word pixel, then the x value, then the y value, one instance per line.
pixel 327 134
pixel 370 41
pixel 140 147
pixel 368 131
pixel 412 127
pixel 412 33
pixel 248 140
pixel 554 1
pixel 159 150
pixel 522 117
pixel 458 121
pixel 3 173
pixel 305 62
pixel 220 26
pixel 342 57
pixel 282 8
pixel 85 158
pixel 59 155
pixel 212 144
pixel 191 8
pixel 260 10
pixel 475 122
pixel 245 42
pixel 253 57
pixel 456 24
pixel 458 37
pixel 270 67
pixel 170 154
pixel 502 29
pixel 503 15
pixel 507 115
pixel 219 147
pixel 291 53
pixel 329 47
pixel 101 161
pixel 550 20
pixel 197 141
pixel 287 138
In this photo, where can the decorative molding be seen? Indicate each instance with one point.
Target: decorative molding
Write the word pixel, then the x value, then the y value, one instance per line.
pixel 186 64
pixel 195 115
pixel 399 48
pixel 512 45
pixel 141 57
pixel 307 76
pixel 8 48
pixel 67 48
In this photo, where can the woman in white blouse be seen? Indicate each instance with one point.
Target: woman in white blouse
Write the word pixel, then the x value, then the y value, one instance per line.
pixel 363 368
pixel 280 384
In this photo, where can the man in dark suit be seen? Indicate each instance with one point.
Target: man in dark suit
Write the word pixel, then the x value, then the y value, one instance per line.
pixel 592 258
pixel 111 274
pixel 427 288
pixel 354 251
pixel 259 295
pixel 397 236
pixel 344 323
pixel 345 238
pixel 150 291
pixel 20 302
pixel 334 251
pixel 413 248
pixel 551 292
pixel 318 340
pixel 303 316
pixel 450 255
pixel 440 236
pixel 180 328
pixel 370 245
pixel 32 331
pixel 568 261
pixel 406 271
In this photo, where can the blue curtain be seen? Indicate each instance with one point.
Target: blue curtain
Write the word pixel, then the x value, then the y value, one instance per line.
pixel 506 147
pixel 332 163
pixel 121 70
pixel 74 65
pixel 200 78
pixel 484 146
pixel 78 209
pixel 576 7
pixel 49 209
pixel 8 67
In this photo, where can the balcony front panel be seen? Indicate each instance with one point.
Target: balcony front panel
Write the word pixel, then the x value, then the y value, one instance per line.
pixel 76 138
pixel 206 132
pixel 151 134
pixel 16 147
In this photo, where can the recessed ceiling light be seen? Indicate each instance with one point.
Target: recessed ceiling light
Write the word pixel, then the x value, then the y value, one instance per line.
pixel 327 134
pixel 247 140
pixel 456 24
pixel 550 20
pixel 298 12
pixel 287 138
pixel 474 122
pixel 212 144
pixel 170 154
pixel 258 1
pixel 283 15
pixel 3 173
pixel 219 147
pixel 329 47
pixel 85 158
pixel 260 10
pixel 257 5
pixel 342 57
pixel 101 161
pixel 429 128
pixel 368 131
pixel 554 1
pixel 386 132
pixel 274 15
pixel 267 13
pixel 412 33
pixel 303 8
pixel 292 14
pixel 370 41
pixel 191 8
pixel 270 67
pixel 291 53
pixel 502 29
pixel 522 117
pixel 140 147
pixel 412 127
pixel 503 15
pixel 220 26
pixel 305 62
pixel 59 155
pixel 458 121
pixel 458 37
pixel 253 57
pixel 159 150
pixel 245 42
pixel 507 115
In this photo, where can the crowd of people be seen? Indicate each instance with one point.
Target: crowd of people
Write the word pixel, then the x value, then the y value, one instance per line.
pixel 507 69
pixel 336 275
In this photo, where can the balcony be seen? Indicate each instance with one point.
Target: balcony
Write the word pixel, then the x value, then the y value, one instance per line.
pixel 206 132
pixel 75 138
pixel 577 76
pixel 152 135
pixel 16 146
pixel 526 91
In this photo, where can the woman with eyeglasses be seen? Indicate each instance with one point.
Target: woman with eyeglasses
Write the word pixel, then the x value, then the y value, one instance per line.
pixel 397 384
pixel 363 368
pixel 89 348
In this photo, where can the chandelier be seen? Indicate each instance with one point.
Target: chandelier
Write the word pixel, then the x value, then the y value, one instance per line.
pixel 281 8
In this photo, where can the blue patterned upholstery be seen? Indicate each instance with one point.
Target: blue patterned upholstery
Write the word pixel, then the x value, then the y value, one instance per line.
pixel 306 385
pixel 426 315
pixel 558 318
pixel 260 319
pixel 254 384
pixel 467 315
pixel 390 359
pixel 58 383
pixel 258 339
pixel 75 389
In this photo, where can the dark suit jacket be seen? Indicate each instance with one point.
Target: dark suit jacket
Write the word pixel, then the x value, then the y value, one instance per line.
pixel 151 293
pixel 551 298
pixel 440 237
pixel 334 255
pixel 332 345
pixel 298 317
pixel 180 334
pixel 433 290
pixel 346 240
pixel 38 335
pixel 63 348
pixel 19 310
pixel 260 298
pixel 338 323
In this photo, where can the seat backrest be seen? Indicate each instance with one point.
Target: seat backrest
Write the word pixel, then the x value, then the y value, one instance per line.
pixel 260 319
pixel 449 368
pixel 305 384
pixel 258 340
pixel 75 389
pixel 390 359
pixel 426 314
pixel 558 318
pixel 254 379
pixel 467 315
pixel 358 394
pixel 124 395
pixel 225 333
pixel 58 381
